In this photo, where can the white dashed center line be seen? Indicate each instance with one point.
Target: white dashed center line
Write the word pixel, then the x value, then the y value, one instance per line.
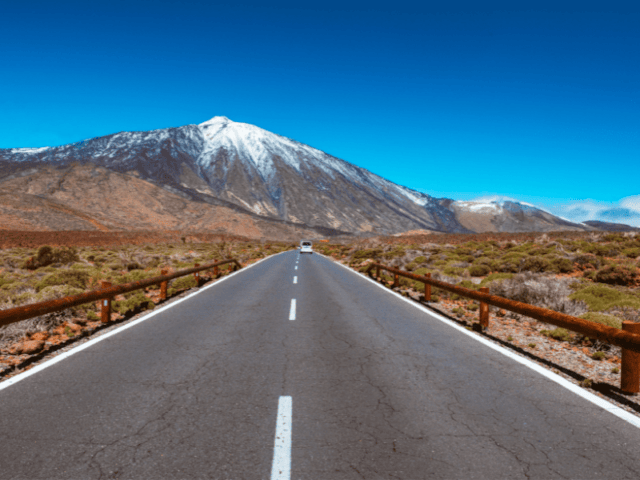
pixel 295 279
pixel 292 312
pixel 281 467
pixel 296 267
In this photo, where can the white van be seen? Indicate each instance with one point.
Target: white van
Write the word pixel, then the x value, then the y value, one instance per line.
pixel 306 246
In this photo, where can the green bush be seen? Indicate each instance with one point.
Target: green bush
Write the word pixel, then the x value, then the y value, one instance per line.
pixel 58 291
pixel 557 333
pixel 184 283
pixel 422 271
pixel 395 252
pixel 468 284
pixel 5 283
pixel 510 262
pixel 372 253
pixel 420 259
pixel 73 278
pixel 631 252
pixel 600 298
pixel 508 267
pixel 136 275
pixel 601 250
pixel 562 265
pixel 134 300
pixel 479 270
pixel 453 271
pixel 608 320
pixel 483 261
pixel 494 277
pixel 536 264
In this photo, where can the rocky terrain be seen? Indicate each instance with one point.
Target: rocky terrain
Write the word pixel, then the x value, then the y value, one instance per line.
pixel 88 197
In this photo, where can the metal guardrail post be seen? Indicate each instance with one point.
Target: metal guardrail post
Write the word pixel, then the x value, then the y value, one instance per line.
pixel 630 368
pixel 395 280
pixel 484 310
pixel 215 271
pixel 105 304
pixel 427 289
pixel 164 285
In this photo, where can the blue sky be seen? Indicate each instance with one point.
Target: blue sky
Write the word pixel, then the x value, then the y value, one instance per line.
pixel 462 99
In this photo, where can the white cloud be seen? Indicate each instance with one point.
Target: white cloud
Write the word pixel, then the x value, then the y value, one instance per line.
pixel 626 210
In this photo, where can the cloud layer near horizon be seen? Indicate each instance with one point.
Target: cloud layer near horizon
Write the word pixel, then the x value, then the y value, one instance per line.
pixel 626 211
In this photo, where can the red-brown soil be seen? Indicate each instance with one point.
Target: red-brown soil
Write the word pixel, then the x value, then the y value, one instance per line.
pixel 84 238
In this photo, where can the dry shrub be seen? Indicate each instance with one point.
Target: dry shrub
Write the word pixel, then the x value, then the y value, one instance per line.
pixel 539 291
pixel 48 256
pixel 10 334
pixel 616 275
pixel 588 259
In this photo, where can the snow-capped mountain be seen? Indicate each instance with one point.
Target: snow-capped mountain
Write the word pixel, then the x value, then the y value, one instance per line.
pixel 503 214
pixel 253 171
pixel 230 163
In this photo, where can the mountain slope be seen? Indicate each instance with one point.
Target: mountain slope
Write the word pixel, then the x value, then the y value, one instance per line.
pixel 234 164
pixel 249 170
pixel 611 227
pixel 500 214
pixel 88 197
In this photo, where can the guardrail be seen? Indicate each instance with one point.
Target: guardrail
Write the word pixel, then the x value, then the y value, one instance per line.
pixel 628 338
pixel 106 294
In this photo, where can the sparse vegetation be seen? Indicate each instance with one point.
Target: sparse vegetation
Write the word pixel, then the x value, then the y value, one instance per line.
pixel 58 271
pixel 558 334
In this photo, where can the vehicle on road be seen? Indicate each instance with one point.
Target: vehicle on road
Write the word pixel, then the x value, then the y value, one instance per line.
pixel 306 246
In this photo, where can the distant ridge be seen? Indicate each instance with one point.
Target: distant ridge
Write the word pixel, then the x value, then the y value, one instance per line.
pixel 611 227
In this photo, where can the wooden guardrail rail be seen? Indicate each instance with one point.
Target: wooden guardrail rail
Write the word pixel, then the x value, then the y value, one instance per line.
pixel 628 338
pixel 106 294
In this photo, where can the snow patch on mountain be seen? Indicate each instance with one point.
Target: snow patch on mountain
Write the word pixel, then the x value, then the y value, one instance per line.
pixel 496 204
pixel 259 147
pixel 29 150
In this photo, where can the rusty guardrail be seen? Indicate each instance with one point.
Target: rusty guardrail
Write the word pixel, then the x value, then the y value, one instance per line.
pixel 105 294
pixel 628 338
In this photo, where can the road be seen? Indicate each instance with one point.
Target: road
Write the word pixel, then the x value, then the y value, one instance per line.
pixel 358 383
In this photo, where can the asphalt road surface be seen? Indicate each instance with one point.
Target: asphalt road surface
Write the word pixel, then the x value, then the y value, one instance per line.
pixel 351 382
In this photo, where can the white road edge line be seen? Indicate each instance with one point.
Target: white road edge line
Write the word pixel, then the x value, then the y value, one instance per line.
pixel 281 466
pixel 602 403
pixel 295 280
pixel 292 312
pixel 79 348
